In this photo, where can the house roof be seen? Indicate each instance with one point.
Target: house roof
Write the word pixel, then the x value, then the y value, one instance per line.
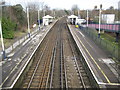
pixel 47 16
pixel 72 16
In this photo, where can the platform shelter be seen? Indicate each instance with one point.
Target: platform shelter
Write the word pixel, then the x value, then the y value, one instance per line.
pixel 72 19
pixel 47 20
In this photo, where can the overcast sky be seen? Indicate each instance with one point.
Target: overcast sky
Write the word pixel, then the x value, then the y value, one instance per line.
pixel 67 4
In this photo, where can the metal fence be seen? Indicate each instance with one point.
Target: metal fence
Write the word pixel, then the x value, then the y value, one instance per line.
pixel 109 48
pixel 107 27
pixel 19 41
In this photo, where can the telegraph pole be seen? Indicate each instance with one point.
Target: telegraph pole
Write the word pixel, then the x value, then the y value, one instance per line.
pixel 28 22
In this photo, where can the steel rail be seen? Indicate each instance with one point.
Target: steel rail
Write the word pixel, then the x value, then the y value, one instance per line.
pixel 61 62
pixel 80 75
pixel 36 67
pixel 30 82
pixel 53 63
pixel 43 74
pixel 48 62
pixel 65 70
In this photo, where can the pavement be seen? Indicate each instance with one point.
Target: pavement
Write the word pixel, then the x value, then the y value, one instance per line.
pixel 13 66
pixel 99 63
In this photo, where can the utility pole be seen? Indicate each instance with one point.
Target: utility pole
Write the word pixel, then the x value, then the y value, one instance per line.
pixel 39 19
pixel 28 22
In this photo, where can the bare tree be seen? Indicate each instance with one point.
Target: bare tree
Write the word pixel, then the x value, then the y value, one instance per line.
pixel 95 7
pixel 101 6
pixel 111 7
pixel 59 12
pixel 75 9
pixel 33 12
pixel 47 10
pixel 2 2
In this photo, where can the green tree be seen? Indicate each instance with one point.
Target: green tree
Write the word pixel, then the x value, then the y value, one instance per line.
pixel 67 12
pixel 20 14
pixel 15 14
pixel 8 28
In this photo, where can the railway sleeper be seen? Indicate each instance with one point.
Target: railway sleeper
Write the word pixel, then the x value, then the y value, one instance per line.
pixel 34 84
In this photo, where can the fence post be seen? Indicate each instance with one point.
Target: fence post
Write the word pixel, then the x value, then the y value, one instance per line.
pixel 106 45
pixel 114 51
pixel 100 41
pixel 24 39
pixel 12 46
pixel 19 42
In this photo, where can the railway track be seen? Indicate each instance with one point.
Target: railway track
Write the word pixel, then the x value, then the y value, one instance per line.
pixel 75 73
pixel 38 73
pixel 57 78
pixel 57 63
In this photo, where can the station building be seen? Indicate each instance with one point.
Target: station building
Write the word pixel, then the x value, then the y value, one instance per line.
pixel 47 20
pixel 72 19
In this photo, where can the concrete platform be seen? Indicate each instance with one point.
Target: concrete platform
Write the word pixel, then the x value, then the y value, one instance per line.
pixel 13 67
pixel 97 60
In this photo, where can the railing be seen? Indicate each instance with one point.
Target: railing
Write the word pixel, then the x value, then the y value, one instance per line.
pixel 106 27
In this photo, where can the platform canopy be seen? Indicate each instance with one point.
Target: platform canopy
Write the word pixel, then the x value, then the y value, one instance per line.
pixel 72 16
pixel 47 16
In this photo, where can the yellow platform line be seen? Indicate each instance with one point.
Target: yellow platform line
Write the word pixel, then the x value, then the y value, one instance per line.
pixel 94 60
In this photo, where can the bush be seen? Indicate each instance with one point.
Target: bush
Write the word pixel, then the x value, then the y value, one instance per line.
pixel 8 28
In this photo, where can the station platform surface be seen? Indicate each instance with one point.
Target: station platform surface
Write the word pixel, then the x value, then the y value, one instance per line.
pixel 100 65
pixel 13 66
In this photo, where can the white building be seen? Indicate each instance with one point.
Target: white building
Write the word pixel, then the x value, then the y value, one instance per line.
pixel 119 5
pixel 72 19
pixel 80 21
pixel 108 18
pixel 47 19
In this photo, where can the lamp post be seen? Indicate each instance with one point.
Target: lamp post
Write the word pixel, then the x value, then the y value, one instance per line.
pixel 99 22
pixel 44 12
pixel 78 14
pixel 54 13
pixel 28 22
pixel 87 18
pixel 39 19
pixel 3 48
